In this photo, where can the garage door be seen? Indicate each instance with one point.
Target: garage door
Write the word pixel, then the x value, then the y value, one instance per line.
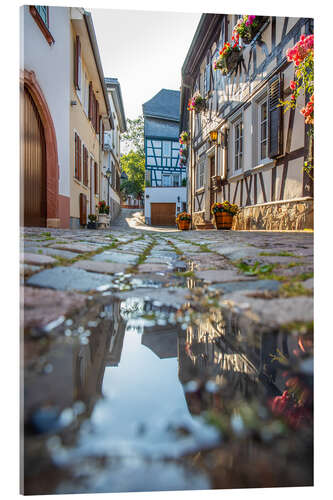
pixel 163 214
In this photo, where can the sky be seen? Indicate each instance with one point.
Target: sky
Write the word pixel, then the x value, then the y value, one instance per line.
pixel 144 50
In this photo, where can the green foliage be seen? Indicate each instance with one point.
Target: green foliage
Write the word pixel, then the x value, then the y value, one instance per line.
pixel 255 269
pixel 134 137
pixel 133 163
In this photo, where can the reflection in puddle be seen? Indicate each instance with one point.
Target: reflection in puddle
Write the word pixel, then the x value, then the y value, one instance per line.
pixel 127 398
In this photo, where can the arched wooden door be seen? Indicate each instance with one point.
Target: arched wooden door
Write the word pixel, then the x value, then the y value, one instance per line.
pixel 33 163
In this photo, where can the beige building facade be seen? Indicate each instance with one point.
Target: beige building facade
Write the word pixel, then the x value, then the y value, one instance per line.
pixel 90 116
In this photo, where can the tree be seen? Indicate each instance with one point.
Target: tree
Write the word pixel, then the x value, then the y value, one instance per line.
pixel 134 137
pixel 133 164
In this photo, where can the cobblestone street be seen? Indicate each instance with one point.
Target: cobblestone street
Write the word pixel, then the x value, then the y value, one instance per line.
pixel 267 273
pixel 230 312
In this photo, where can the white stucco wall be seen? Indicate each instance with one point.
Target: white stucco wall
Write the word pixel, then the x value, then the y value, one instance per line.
pixel 51 65
pixel 164 195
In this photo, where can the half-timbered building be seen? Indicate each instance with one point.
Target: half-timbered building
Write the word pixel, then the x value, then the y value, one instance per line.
pixel 165 178
pixel 257 158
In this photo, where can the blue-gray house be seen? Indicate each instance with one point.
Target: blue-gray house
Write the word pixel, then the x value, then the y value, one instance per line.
pixel 165 194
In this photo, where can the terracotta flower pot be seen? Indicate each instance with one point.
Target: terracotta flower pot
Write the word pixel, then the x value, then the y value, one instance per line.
pixel 184 225
pixel 223 220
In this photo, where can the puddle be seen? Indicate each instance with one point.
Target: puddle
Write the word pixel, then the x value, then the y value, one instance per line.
pixel 135 396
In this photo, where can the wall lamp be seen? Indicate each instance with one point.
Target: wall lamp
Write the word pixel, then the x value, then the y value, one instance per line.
pixel 213 135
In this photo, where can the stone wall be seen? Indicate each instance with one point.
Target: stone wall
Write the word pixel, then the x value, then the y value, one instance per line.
pixel 281 216
pixel 198 218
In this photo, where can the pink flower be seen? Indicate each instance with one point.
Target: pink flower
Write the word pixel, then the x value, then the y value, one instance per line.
pixel 292 85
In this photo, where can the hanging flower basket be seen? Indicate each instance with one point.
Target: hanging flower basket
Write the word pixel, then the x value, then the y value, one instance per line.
pixel 184 138
pixel 196 103
pixel 247 28
pixel 228 58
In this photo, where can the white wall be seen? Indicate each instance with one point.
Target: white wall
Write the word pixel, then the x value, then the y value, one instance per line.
pixel 164 195
pixel 51 65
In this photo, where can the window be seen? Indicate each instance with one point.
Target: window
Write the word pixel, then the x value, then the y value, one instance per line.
pixel 43 11
pixel 263 130
pixel 166 180
pixel 40 13
pixel 176 180
pixel 200 173
pixel 238 145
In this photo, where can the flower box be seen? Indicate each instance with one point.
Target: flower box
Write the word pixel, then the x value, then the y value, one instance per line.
pixel 248 27
pixel 103 220
pixel 184 225
pixel 197 103
pixel 228 58
pixel 223 220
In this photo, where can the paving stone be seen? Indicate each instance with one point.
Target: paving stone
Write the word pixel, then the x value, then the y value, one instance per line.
pixel 220 275
pixel 76 247
pixel 100 266
pixel 272 312
pixel 308 283
pixel 52 251
pixel 42 306
pixel 28 269
pixel 69 278
pixel 37 259
pixel 114 256
pixel 260 285
pixel 152 268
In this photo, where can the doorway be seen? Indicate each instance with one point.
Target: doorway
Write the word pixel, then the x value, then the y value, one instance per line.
pixel 33 163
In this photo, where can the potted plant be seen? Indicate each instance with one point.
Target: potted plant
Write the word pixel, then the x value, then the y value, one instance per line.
pixel 196 103
pixel 92 224
pixel 228 58
pixel 183 220
pixel 103 214
pixel 247 28
pixel 184 138
pixel 223 214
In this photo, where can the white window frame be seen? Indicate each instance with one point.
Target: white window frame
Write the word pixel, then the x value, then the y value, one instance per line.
pixel 235 123
pixel 200 174
pixel 260 103
pixel 169 177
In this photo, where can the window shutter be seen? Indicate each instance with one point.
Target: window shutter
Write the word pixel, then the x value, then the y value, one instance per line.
pixel 102 135
pixel 97 117
pixel 96 177
pixel 83 209
pixel 275 141
pixel 76 148
pixel 76 63
pixel 90 108
pixel 79 159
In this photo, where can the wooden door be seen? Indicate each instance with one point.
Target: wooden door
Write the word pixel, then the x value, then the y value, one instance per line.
pixel 163 214
pixel 212 173
pixel 83 209
pixel 33 163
